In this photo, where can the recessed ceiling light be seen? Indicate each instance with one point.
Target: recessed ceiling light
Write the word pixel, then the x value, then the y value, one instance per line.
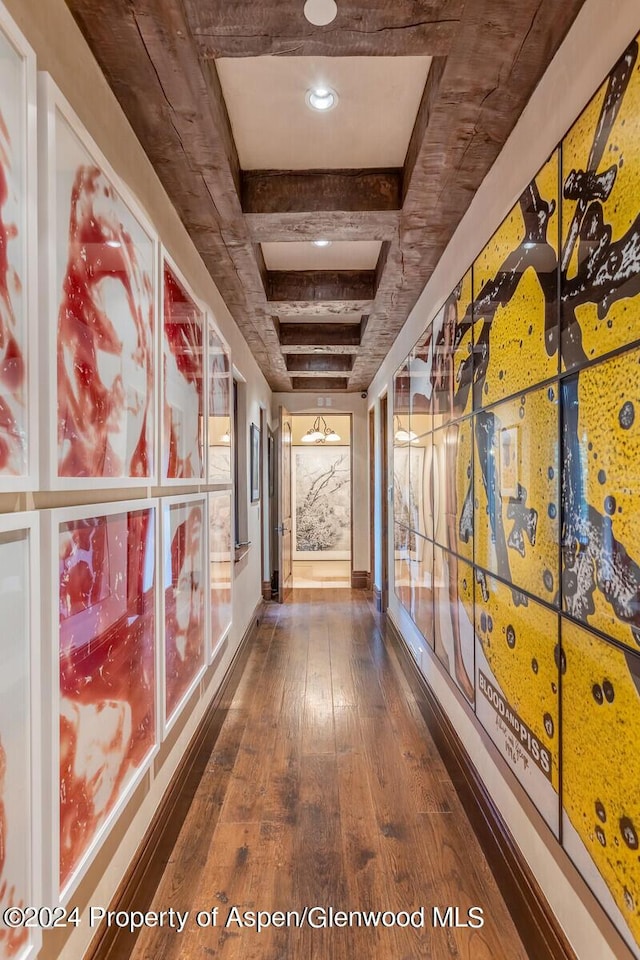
pixel 321 99
pixel 321 243
pixel 320 12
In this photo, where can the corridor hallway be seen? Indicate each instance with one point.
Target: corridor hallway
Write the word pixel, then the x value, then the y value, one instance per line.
pixel 325 788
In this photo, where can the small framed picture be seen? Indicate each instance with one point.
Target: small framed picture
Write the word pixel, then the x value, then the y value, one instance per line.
pixel 255 463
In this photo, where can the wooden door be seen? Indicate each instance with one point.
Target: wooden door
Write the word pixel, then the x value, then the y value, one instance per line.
pixel 285 525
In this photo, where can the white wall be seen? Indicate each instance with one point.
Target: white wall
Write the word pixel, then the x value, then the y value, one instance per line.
pixel 600 34
pixel 61 50
pixel 354 404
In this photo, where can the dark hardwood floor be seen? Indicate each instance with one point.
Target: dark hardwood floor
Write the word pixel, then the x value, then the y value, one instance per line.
pixel 326 789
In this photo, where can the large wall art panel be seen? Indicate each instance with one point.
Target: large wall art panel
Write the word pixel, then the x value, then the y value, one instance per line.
pixel 106 658
pixel 452 498
pixel 452 333
pixel 600 492
pixel 20 866
pixel 453 618
pixel 322 478
pixel 18 283
pixel 184 579
pixel 406 499
pixel 100 310
pixel 404 545
pixel 515 282
pixel 517 493
pixel 517 682
pixel 219 401
pixel 183 385
pixel 601 772
pixel 421 601
pixel 601 219
pixel 221 568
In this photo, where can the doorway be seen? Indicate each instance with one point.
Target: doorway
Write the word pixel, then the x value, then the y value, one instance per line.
pixel 322 508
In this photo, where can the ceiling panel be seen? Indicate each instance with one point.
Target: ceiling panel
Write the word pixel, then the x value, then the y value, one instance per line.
pixel 274 129
pixel 341 255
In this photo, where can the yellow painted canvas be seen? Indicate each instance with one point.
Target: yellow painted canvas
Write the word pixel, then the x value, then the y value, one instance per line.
pixel 515 295
pixel 601 489
pixel 601 219
pixel 517 683
pixel 517 492
pixel 601 769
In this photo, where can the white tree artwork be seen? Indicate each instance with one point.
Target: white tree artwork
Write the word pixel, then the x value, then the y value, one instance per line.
pixel 323 502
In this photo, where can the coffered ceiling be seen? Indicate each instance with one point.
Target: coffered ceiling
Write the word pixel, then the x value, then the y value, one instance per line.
pixel 428 91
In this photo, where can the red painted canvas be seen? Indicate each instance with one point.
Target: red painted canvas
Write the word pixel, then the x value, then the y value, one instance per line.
pixel 183 344
pixel 184 599
pixel 107 670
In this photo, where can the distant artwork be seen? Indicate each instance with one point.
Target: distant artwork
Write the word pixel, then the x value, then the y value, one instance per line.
pixel 105 303
pixel 16 799
pixel 219 398
pixel 184 579
pixel 183 381
pixel 408 472
pixel 323 501
pixel 106 586
pixel 14 259
pixel 221 565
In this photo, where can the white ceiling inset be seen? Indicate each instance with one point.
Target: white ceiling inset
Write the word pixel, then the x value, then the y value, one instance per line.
pixel 274 129
pixel 341 255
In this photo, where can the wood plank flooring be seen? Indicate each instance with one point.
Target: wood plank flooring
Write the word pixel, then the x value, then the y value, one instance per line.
pixel 326 789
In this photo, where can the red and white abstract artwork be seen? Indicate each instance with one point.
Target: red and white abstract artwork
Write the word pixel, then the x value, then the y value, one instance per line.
pixel 16 802
pixel 105 263
pixel 107 615
pixel 184 600
pixel 221 564
pixel 14 202
pixel 219 426
pixel 183 382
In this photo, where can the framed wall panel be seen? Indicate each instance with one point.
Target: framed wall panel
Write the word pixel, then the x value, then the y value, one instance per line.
pixel 453 618
pixel 453 355
pixel 453 487
pixel 515 309
pixel 601 480
pixel 420 366
pixel 20 808
pixel 183 383
pixel 601 772
pixel 220 568
pixel 408 487
pixel 18 265
pixel 419 463
pixel 105 655
pixel 421 574
pixel 184 577
pixel 322 518
pixel 99 302
pixel 600 292
pixel 517 683
pixel 516 479
pixel 404 543
pixel 219 431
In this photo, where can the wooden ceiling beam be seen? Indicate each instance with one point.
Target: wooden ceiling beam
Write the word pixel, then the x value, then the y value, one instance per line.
pixel 279 28
pixel 318 191
pixel 337 225
pixel 321 285
pixel 320 334
pixel 319 383
pixel 319 362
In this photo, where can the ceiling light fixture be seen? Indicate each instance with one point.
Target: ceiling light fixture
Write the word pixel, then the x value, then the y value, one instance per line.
pixel 320 12
pixel 320 432
pixel 321 243
pixel 321 99
pixel 401 435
